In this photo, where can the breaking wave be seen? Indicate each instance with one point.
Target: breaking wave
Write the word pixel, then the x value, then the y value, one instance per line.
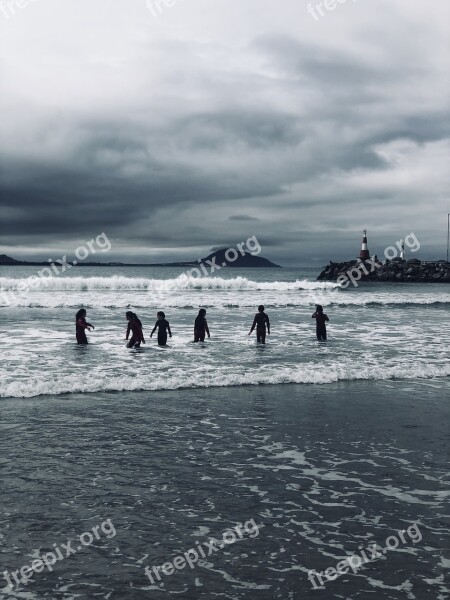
pixel 119 283
pixel 143 302
pixel 109 382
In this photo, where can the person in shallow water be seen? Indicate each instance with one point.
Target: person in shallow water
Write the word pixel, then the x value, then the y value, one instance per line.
pixel 81 325
pixel 201 327
pixel 260 321
pixel 135 327
pixel 321 319
pixel 163 327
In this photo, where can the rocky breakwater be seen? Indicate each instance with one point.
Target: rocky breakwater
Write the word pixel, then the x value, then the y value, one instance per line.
pixel 396 270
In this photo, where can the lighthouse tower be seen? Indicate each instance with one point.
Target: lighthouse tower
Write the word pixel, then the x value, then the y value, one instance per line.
pixel 402 251
pixel 364 254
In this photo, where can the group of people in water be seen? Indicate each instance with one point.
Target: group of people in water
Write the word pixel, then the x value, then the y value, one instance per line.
pixel 261 323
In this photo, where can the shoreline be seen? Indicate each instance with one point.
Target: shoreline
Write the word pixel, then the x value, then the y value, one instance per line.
pixel 444 380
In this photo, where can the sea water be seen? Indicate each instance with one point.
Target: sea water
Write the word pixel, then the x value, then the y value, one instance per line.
pixel 181 443
pixel 376 331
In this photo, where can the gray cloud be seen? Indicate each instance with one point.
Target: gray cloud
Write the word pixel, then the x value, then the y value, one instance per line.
pixel 243 218
pixel 296 131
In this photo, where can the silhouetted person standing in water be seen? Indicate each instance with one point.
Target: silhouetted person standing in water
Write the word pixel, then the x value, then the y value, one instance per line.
pixel 321 318
pixel 163 327
pixel 201 327
pixel 135 326
pixel 260 321
pixel 81 325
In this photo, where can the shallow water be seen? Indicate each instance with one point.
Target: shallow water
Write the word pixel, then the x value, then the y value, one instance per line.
pixel 324 471
pixel 178 445
pixel 376 331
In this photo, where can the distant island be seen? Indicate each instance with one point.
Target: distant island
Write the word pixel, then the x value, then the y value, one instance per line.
pixel 246 260
pixel 218 258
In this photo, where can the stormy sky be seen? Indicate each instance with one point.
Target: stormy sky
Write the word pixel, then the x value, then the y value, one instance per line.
pixel 183 125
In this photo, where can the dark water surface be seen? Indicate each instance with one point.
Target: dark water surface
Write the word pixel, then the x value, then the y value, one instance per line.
pixel 324 471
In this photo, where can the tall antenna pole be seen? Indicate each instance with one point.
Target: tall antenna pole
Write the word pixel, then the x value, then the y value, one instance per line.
pixel 448 232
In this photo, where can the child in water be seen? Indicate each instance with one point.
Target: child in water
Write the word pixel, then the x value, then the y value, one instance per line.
pixel 135 326
pixel 163 327
pixel 321 318
pixel 260 321
pixel 201 326
pixel 81 325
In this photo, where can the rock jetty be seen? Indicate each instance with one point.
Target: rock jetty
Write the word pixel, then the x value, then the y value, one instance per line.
pixel 396 270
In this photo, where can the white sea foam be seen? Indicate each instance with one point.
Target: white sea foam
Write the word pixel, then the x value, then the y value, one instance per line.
pixel 120 292
pixel 121 300
pixel 117 283
pixel 181 292
pixel 61 383
pixel 376 332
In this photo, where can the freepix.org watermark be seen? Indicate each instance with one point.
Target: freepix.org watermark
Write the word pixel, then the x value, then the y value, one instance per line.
pixel 369 554
pixel 49 559
pixel 320 9
pixel 9 8
pixel 203 550
pixel 157 7
pixel 208 267
pixel 56 267
pixel 355 274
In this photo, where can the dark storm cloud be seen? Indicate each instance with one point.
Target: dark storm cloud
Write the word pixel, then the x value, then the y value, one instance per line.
pixel 251 129
pixel 243 218
pixel 55 198
pixel 169 141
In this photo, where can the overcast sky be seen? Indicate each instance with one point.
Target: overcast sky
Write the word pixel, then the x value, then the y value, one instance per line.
pixel 185 127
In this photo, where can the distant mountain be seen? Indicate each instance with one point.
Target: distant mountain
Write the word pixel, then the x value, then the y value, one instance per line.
pixel 218 258
pixel 247 260
pixel 7 260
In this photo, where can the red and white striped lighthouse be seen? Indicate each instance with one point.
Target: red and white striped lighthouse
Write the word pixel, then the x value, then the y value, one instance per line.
pixel 364 254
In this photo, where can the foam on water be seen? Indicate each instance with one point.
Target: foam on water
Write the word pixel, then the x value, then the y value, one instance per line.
pixel 62 383
pixel 224 299
pixel 117 282
pixel 376 332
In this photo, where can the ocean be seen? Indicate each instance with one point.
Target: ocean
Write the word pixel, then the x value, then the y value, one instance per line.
pixel 375 332
pixel 315 451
